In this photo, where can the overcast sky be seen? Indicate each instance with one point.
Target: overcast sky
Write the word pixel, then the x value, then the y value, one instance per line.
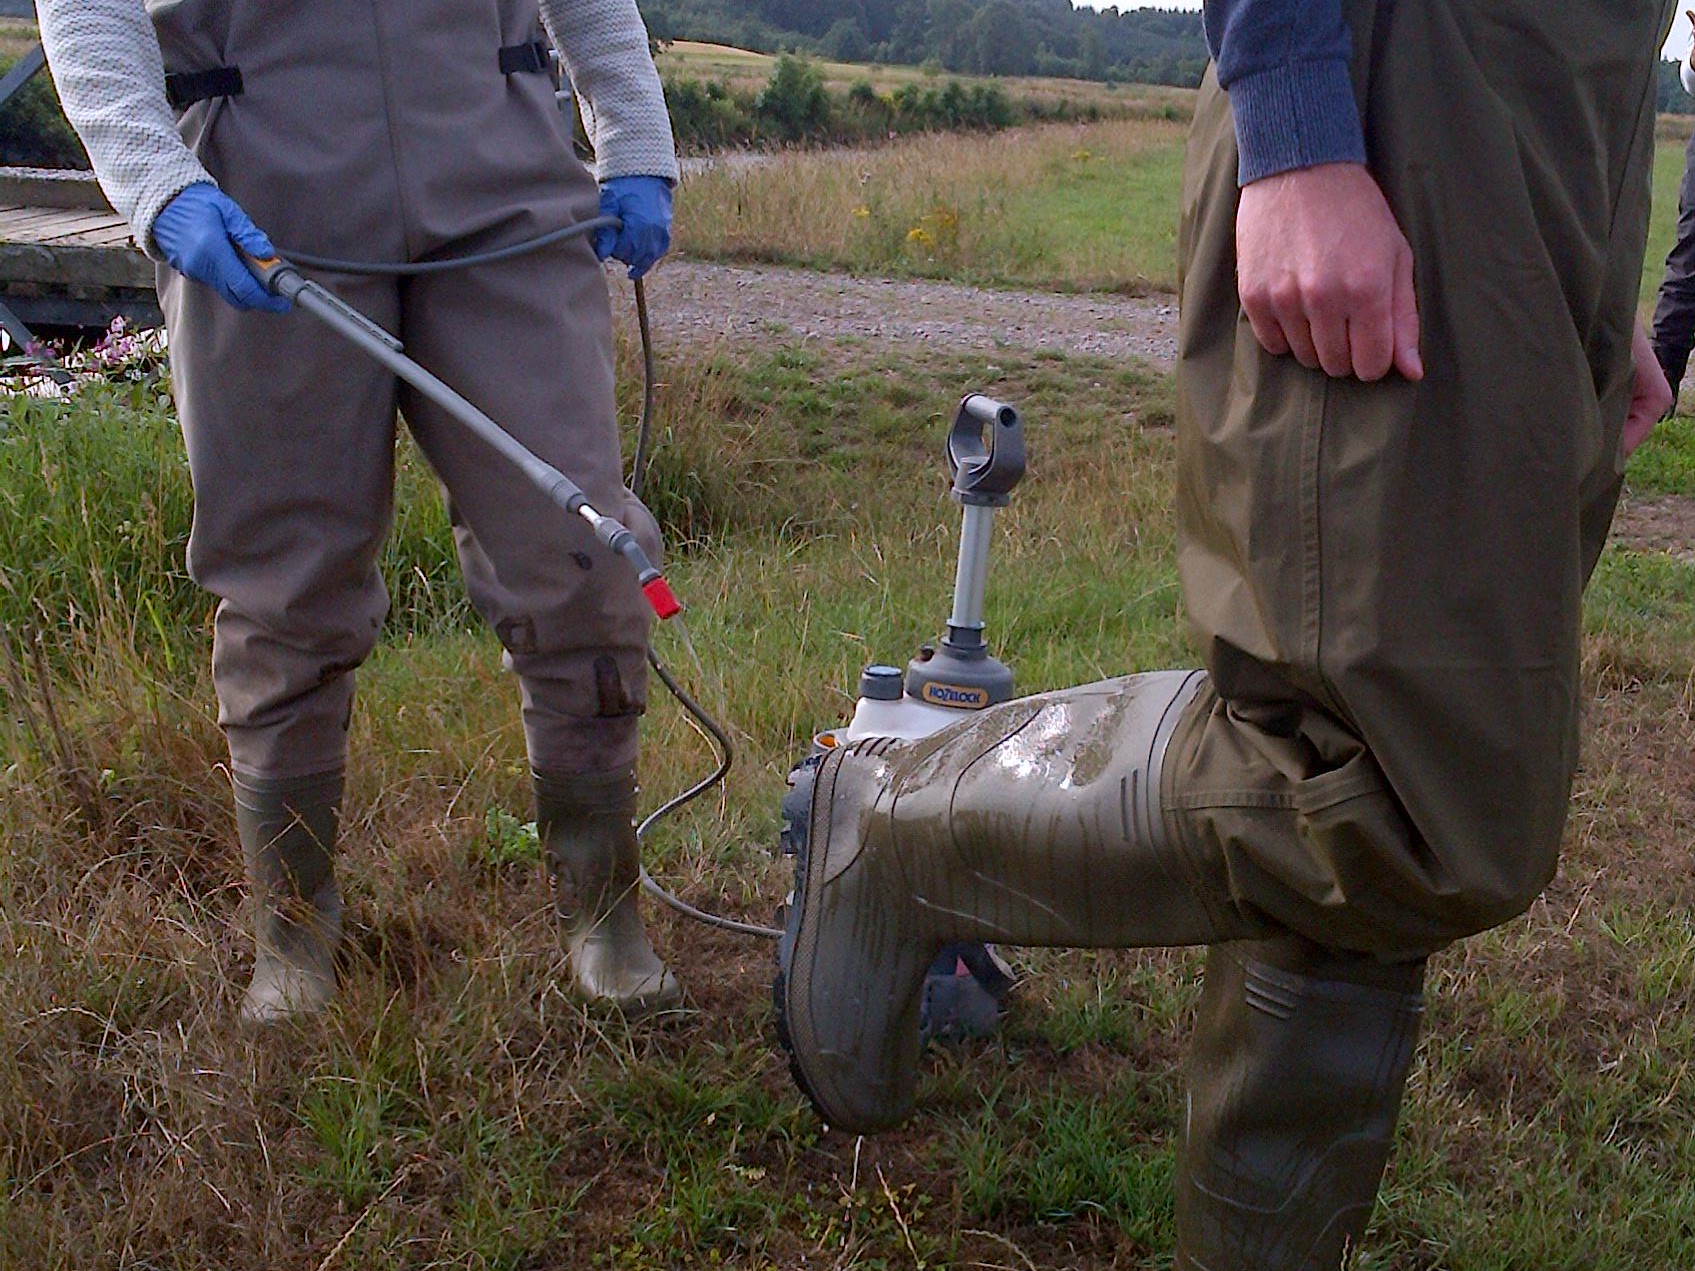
pixel 1677 45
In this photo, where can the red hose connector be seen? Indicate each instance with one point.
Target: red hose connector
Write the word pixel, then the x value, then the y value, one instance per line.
pixel 661 597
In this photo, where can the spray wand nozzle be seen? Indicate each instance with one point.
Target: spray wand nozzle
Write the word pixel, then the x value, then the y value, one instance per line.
pixel 621 540
pixel 280 278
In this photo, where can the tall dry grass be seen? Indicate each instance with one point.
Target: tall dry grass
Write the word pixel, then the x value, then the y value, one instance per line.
pixel 1075 206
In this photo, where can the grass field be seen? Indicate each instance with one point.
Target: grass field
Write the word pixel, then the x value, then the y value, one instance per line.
pixel 457 1110
pixel 1084 207
pixel 1067 206
pixel 17 36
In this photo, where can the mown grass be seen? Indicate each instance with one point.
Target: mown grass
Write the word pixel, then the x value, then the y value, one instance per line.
pixel 17 36
pixel 457 1110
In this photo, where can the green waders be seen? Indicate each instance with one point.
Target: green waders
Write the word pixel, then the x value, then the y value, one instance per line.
pixel 1385 582
pixel 398 132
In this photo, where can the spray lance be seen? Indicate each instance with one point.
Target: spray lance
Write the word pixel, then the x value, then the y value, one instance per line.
pixel 281 278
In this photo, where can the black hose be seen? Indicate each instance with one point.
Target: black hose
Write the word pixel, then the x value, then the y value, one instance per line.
pixel 409 269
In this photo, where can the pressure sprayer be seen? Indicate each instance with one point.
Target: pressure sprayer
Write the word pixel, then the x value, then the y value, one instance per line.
pixel 985 452
pixel 967 983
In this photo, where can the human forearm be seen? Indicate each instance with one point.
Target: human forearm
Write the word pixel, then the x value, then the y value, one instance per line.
pixel 105 60
pixel 603 44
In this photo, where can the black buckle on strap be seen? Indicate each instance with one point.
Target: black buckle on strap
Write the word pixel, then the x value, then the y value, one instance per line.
pixel 518 59
pixel 184 88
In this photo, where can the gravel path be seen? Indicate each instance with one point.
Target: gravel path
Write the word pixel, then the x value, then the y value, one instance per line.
pixel 695 301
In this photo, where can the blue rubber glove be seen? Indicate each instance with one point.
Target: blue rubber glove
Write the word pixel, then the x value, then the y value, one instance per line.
pixel 644 205
pixel 195 232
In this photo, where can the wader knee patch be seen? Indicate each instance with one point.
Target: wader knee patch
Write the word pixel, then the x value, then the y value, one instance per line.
pixel 517 635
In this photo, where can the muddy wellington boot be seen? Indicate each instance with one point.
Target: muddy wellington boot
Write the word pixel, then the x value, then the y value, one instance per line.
pixel 1295 1079
pixel 287 830
pixel 1035 822
pixel 587 828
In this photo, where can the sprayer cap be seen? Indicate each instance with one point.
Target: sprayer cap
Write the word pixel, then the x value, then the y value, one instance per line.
pixel 882 683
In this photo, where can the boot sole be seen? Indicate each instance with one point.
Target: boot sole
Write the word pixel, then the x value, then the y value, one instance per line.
pixel 796 838
pixel 794 1032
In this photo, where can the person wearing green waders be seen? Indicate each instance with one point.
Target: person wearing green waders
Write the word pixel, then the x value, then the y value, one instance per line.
pixel 1409 371
pixel 393 131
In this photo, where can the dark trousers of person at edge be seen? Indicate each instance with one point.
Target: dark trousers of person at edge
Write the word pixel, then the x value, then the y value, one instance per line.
pixel 1385 582
pixel 401 140
pixel 1674 310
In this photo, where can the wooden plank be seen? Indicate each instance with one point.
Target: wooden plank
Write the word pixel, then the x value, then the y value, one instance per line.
pixel 44 225
pixel 76 224
pixel 113 236
pixel 67 266
pixel 23 220
pixel 50 187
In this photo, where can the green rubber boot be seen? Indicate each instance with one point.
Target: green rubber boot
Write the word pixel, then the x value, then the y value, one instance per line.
pixel 587 828
pixel 1295 1073
pixel 287 829
pixel 1035 822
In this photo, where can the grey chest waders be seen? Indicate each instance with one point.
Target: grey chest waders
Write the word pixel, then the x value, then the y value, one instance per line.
pixel 967 984
pixel 586 821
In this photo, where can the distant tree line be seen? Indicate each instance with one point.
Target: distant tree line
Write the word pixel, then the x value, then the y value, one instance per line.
pixel 33 131
pixel 981 37
pixel 1045 37
pixel 796 107
pixel 1672 100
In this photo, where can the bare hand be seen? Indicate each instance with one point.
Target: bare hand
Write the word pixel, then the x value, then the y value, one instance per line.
pixel 1325 273
pixel 1651 396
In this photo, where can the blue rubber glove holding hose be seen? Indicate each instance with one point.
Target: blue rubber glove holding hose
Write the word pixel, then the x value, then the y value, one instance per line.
pixel 644 205
pixel 198 232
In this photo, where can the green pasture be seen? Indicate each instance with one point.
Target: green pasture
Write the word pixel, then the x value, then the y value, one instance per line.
pixel 456 1110
pixel 1061 206
pixel 746 70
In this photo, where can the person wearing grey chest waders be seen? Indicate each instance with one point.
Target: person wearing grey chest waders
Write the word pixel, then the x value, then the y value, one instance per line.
pixel 1409 369
pixel 381 131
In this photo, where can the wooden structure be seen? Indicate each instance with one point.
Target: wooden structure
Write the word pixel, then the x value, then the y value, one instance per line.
pixel 66 258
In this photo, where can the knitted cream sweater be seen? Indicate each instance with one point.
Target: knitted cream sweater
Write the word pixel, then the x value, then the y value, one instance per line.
pixel 105 59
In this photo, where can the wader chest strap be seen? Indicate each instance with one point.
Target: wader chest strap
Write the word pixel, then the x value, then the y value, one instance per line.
pixel 518 59
pixel 184 88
